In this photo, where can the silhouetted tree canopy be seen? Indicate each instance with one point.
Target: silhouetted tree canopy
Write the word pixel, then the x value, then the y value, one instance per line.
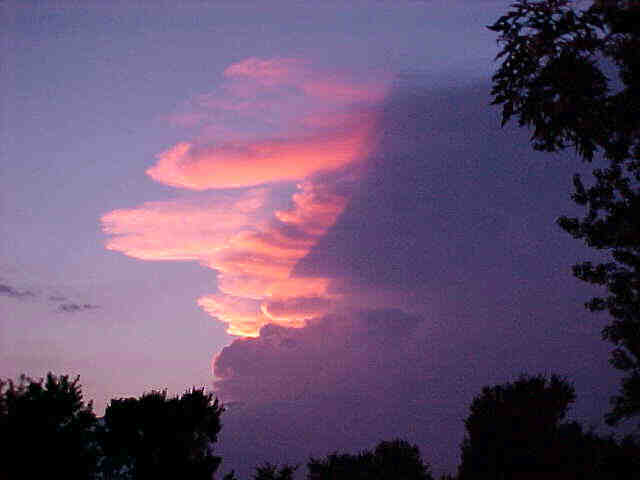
pixel 158 437
pixel 393 460
pixel 510 426
pixel 515 430
pixel 573 76
pixel 46 429
pixel 269 471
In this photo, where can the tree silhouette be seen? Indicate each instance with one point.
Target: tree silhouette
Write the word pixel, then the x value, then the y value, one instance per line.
pixel 269 471
pixel 341 466
pixel 511 426
pixel 158 437
pixel 393 460
pixel 398 459
pixel 515 431
pixel 573 76
pixel 46 429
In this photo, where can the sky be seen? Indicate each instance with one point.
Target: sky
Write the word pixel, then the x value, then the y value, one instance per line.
pixel 309 208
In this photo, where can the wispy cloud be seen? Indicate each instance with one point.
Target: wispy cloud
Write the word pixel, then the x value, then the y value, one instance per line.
pixel 9 291
pixel 76 307
pixel 64 304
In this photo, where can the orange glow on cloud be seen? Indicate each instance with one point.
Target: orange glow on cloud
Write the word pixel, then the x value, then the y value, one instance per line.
pixel 254 247
pixel 240 314
pixel 257 265
pixel 314 210
pixel 178 230
pixel 253 163
pixel 254 259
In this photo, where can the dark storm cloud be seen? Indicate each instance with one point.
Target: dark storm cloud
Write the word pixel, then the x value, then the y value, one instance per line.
pixel 444 185
pixel 295 363
pixel 461 215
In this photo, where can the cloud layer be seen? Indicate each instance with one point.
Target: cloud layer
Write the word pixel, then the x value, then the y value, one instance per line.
pixel 239 225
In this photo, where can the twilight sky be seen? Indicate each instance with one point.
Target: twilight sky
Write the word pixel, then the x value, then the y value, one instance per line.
pixel 308 207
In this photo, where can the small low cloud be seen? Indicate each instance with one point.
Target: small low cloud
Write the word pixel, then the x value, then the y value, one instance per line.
pixel 9 291
pixel 76 307
pixel 65 304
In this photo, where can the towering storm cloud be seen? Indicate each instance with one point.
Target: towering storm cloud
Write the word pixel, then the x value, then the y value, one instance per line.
pixel 361 245
pixel 436 261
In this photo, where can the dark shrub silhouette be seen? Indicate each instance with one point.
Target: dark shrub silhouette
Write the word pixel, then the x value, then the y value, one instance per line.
pixel 511 426
pixel 393 460
pixel 45 427
pixel 155 437
pixel 269 471
pixel 515 431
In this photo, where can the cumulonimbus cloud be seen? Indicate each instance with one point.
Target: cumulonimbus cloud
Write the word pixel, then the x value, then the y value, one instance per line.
pixel 289 94
pixel 240 228
pixel 254 256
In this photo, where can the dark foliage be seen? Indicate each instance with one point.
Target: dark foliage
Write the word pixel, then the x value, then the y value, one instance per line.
pixel 515 430
pixel 158 437
pixel 510 426
pixel 269 471
pixel 573 76
pixel 394 460
pixel 46 429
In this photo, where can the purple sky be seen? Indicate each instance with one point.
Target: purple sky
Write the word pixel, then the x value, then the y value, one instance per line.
pixel 316 199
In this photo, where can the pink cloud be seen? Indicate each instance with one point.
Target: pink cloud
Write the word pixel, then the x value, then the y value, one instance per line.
pixel 244 164
pixel 315 209
pixel 178 230
pixel 305 124
pixel 258 264
pixel 253 255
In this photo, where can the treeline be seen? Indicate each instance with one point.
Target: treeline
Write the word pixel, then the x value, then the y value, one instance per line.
pixel 516 430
